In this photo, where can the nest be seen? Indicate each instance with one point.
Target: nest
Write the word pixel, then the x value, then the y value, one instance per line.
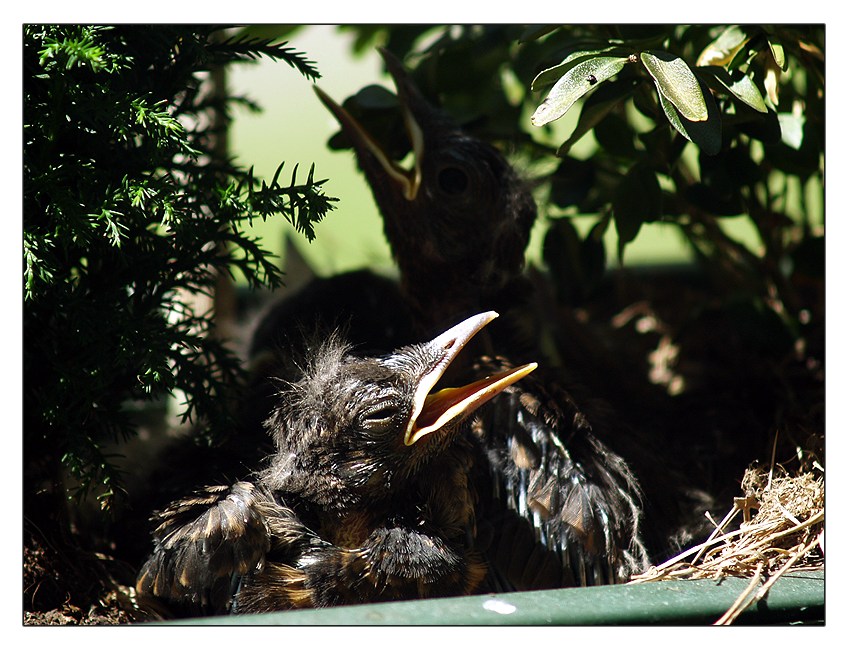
pixel 785 533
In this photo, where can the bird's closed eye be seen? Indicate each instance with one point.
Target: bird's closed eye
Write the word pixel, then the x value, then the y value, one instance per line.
pixel 380 418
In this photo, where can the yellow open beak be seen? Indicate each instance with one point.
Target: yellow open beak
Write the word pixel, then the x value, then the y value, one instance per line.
pixel 432 411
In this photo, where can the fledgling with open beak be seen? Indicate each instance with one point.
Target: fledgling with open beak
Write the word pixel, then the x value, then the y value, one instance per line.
pixel 460 206
pixel 458 220
pixel 366 499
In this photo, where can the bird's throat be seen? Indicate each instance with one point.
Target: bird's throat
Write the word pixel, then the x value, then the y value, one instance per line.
pixel 450 404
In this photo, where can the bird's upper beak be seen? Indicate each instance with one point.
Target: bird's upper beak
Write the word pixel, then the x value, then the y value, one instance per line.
pixel 407 181
pixel 432 411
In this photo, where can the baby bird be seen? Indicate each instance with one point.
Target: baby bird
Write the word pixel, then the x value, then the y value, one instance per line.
pixel 368 497
pixel 458 221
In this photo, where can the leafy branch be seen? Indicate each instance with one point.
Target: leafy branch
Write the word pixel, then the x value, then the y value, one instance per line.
pixel 252 48
pixel 128 211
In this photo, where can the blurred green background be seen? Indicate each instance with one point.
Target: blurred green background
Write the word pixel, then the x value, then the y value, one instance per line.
pixel 294 127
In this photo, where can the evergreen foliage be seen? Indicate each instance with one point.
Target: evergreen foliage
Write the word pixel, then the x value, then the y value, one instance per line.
pixel 128 211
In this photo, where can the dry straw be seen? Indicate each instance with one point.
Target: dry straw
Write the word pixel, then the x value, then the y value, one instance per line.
pixel 785 533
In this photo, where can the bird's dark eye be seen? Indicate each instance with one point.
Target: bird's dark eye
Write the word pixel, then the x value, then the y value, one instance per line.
pixel 453 180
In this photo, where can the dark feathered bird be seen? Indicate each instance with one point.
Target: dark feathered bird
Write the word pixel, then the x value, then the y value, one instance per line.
pixel 368 497
pixel 369 312
pixel 458 222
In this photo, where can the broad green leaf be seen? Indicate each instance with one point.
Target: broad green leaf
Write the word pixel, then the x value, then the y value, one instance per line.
pixel 792 129
pixel 571 182
pixel 675 81
pixel 740 85
pixel 533 32
pixel 723 49
pixel 638 200
pixel 596 108
pixel 616 136
pixel 551 75
pixel 777 50
pixel 576 266
pixel 760 126
pixel 593 255
pixel 707 135
pixel 771 85
pixel 574 84
pixel 672 115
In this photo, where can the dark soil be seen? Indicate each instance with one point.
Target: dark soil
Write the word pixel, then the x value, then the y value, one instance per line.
pixel 59 590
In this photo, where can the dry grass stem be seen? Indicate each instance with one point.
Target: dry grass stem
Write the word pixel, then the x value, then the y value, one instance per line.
pixel 785 533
